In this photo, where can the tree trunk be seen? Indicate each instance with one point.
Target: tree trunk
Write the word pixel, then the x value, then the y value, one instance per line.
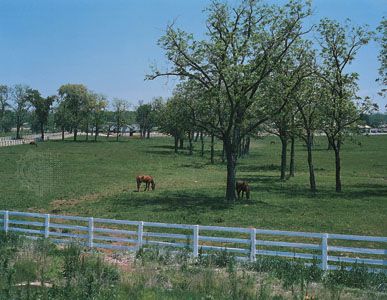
pixel 87 132
pixel 42 131
pixel 284 143
pixel 202 142
pixel 148 134
pixel 197 136
pixel 292 163
pixel 247 145
pixel 181 143
pixel 96 133
pixel 223 154
pixel 312 179
pixel 18 125
pixel 329 145
pixel 75 134
pixel 190 138
pixel 63 130
pixel 176 143
pixel 212 148
pixel 232 157
pixel 338 167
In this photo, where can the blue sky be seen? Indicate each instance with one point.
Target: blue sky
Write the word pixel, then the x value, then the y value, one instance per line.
pixel 108 45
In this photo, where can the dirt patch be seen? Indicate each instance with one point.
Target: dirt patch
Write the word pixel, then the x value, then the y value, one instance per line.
pixel 58 205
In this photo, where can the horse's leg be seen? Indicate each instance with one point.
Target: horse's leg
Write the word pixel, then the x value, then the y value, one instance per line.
pixel 138 185
pixel 146 186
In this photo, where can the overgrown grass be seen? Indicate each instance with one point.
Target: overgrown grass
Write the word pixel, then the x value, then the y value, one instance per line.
pixel 98 179
pixel 41 270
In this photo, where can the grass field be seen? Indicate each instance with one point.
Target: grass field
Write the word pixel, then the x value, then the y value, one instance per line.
pixel 98 179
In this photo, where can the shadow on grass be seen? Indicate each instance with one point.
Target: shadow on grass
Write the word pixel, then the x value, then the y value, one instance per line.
pixel 256 168
pixel 272 185
pixel 174 201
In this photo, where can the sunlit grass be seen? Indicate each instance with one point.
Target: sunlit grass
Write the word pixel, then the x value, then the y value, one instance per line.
pixel 98 179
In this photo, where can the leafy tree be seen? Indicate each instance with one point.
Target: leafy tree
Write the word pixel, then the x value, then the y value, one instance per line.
pixel 173 119
pixel 20 105
pixel 244 44
pixel 76 97
pixel 99 104
pixel 62 118
pixel 4 103
pixel 339 45
pixel 382 28
pixel 308 100
pixel 283 84
pixel 42 108
pixel 144 119
pixel 120 107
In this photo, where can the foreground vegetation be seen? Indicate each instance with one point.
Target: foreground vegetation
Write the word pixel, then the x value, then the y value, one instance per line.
pixel 98 179
pixel 41 270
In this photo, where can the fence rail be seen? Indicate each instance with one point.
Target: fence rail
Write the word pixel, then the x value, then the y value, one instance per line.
pixel 246 243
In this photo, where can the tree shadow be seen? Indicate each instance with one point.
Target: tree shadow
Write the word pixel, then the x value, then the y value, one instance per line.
pixel 175 201
pixel 257 168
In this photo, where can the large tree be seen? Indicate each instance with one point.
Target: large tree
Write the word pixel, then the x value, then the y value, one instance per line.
pixel 42 108
pixel 244 45
pixel 75 97
pixel 339 45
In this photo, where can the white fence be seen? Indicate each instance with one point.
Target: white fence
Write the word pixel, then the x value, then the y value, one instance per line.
pixel 10 141
pixel 246 243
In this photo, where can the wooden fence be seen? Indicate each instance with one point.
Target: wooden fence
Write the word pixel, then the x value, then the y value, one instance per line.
pixel 330 251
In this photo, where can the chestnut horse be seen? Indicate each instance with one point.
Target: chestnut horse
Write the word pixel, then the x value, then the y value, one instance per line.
pixel 149 182
pixel 243 186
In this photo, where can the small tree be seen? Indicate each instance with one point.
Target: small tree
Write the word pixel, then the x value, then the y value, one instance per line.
pixel 120 107
pixel 98 112
pixel 308 100
pixel 382 28
pixel 144 119
pixel 4 103
pixel 20 105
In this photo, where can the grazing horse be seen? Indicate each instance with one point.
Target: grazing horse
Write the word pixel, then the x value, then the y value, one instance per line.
pixel 149 182
pixel 34 143
pixel 243 186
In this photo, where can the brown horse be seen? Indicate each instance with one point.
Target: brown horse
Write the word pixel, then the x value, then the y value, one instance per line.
pixel 149 182
pixel 242 186
pixel 34 143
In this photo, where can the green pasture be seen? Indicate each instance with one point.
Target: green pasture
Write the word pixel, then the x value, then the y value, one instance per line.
pixel 98 179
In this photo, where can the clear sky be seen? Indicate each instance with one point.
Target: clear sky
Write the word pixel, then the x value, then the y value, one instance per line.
pixel 108 45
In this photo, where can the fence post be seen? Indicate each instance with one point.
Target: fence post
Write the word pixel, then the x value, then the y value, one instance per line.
pixel 91 232
pixel 195 240
pixel 6 219
pixel 253 249
pixel 47 225
pixel 324 252
pixel 140 234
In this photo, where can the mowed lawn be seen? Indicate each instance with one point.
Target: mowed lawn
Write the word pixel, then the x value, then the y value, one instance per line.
pixel 98 179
